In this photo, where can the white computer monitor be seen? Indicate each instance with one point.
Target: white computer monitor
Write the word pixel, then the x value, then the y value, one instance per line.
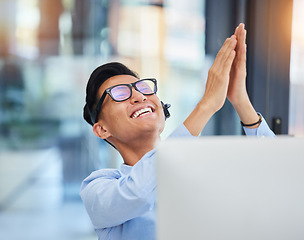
pixel 231 188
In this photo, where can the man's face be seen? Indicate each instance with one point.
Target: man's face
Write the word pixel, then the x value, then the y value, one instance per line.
pixel 140 115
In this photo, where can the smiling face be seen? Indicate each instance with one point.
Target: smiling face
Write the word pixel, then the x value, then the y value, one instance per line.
pixel 138 117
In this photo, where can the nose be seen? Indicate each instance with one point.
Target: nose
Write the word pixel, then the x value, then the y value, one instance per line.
pixel 137 97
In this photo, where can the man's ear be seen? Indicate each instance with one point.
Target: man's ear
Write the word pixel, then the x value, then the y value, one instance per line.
pixel 101 131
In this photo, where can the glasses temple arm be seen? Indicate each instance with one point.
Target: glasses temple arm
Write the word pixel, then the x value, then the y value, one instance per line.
pixel 94 113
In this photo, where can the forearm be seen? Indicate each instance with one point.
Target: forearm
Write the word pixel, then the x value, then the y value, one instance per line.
pixel 198 118
pixel 246 112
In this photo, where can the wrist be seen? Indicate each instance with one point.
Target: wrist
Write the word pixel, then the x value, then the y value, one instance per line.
pixel 254 124
pixel 248 116
pixel 210 105
pixel 198 118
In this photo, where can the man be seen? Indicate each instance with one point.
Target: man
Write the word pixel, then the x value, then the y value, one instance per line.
pixel 125 112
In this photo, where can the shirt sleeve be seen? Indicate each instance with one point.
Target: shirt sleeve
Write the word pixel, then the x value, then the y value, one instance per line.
pixel 262 130
pixel 181 131
pixel 112 199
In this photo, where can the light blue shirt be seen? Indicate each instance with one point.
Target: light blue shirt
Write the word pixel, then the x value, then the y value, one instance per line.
pixel 121 203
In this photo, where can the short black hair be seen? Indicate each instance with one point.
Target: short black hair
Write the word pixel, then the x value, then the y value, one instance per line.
pixel 97 78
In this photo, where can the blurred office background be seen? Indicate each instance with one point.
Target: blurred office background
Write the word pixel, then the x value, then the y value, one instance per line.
pixel 48 48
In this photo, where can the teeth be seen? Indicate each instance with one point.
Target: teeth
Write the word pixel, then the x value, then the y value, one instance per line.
pixel 137 113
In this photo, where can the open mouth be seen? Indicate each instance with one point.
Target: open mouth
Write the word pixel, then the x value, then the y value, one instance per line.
pixel 142 112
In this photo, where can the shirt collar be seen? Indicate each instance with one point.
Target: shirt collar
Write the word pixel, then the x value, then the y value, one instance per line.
pixel 125 169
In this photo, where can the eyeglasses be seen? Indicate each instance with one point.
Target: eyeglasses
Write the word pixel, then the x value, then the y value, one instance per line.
pixel 123 92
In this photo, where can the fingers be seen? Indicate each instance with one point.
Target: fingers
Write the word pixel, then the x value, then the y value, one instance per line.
pixel 237 30
pixel 237 81
pixel 218 75
pixel 224 53
pixel 228 45
pixel 240 33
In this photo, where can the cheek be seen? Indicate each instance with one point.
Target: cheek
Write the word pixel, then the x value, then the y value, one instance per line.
pixel 115 115
pixel 162 122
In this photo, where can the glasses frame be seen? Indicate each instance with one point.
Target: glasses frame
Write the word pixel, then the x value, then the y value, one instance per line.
pixel 95 112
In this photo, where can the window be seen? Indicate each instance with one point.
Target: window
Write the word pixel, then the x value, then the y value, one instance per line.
pixel 296 105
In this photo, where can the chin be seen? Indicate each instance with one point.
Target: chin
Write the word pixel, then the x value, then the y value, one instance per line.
pixel 157 127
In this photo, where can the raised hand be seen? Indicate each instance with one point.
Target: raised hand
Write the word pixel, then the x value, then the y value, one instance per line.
pixel 237 84
pixel 216 88
pixel 218 75
pixel 237 93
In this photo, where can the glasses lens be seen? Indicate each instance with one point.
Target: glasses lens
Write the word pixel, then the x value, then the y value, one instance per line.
pixel 146 86
pixel 120 92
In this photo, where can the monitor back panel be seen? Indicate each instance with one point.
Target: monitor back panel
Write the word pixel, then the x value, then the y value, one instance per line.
pixel 232 188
